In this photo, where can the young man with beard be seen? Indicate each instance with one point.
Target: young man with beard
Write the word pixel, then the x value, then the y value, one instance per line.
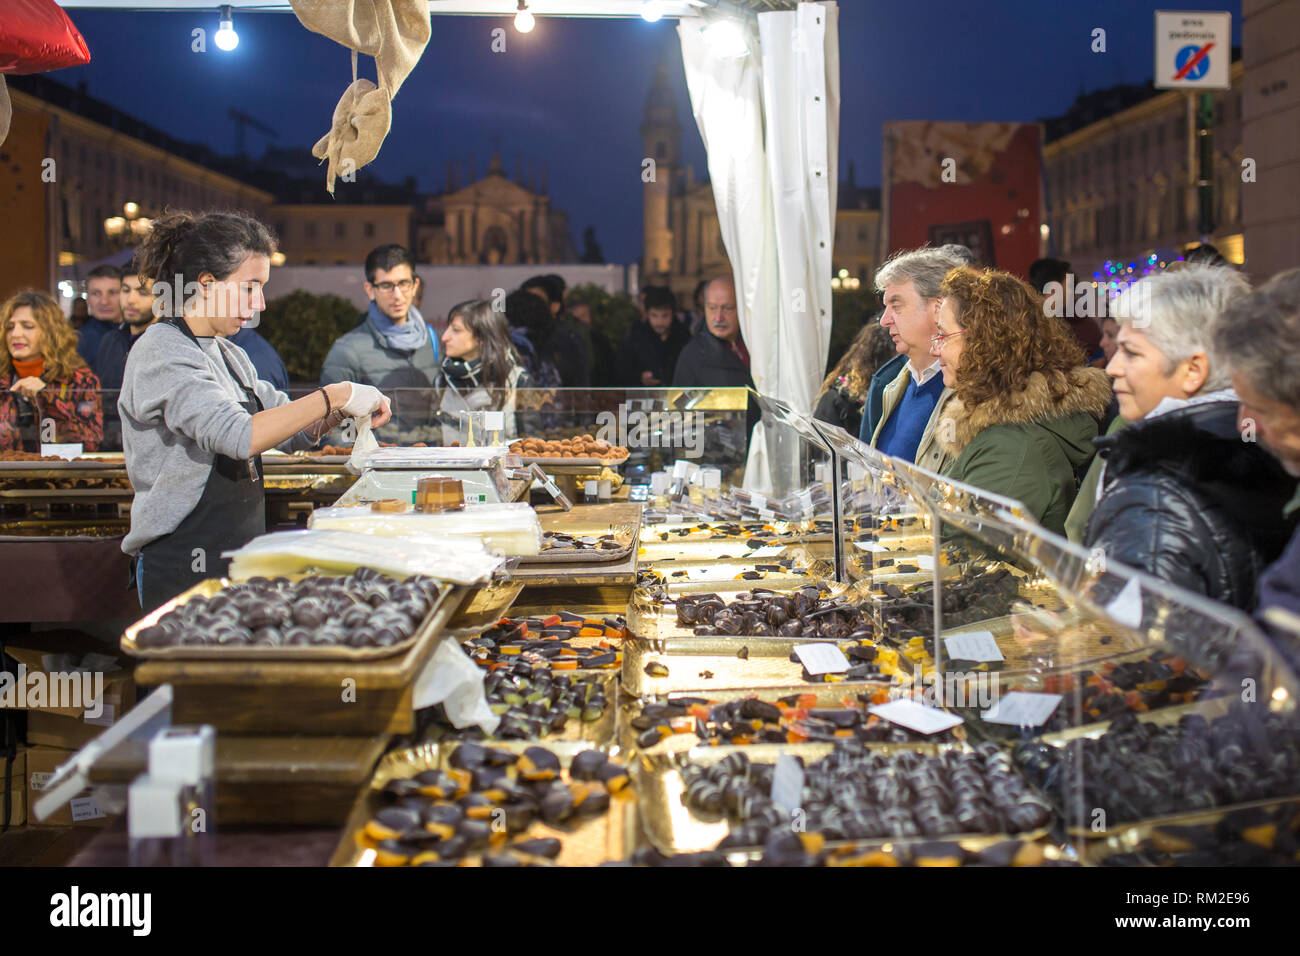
pixel 135 297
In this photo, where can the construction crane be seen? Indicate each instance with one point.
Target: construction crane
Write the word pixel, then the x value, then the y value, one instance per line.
pixel 242 119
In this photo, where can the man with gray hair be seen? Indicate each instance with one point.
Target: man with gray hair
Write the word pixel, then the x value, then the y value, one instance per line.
pixel 1183 497
pixel 1258 339
pixel 907 395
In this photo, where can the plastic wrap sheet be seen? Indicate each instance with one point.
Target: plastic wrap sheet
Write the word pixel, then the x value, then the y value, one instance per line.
pixel 343 551
pixel 511 528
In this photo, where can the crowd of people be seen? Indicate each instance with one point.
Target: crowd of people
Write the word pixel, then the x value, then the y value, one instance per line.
pixel 1165 435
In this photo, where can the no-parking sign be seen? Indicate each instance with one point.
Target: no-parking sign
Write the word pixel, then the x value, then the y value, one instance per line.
pixel 1193 49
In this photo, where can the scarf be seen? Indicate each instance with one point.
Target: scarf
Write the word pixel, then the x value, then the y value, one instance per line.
pixel 409 336
pixel 462 374
pixel 29 368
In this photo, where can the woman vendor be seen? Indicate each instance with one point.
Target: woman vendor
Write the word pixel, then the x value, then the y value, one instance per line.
pixel 195 417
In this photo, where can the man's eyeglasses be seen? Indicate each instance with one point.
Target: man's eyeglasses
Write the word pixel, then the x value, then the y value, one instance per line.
pixel 936 341
pixel 406 285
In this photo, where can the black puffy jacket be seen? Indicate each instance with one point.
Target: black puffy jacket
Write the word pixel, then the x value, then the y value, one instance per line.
pixel 1188 501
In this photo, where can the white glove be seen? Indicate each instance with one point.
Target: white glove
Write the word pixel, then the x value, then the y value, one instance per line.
pixel 363 401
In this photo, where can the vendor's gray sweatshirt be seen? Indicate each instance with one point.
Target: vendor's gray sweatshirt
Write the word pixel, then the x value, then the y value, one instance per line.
pixel 178 413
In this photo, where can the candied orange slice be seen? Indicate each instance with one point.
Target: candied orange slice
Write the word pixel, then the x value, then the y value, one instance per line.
pixel 566 665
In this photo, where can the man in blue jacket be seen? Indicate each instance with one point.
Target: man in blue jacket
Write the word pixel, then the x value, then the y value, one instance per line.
pixel 907 394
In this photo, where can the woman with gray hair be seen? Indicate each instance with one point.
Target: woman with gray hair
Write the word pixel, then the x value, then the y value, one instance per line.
pixel 1183 496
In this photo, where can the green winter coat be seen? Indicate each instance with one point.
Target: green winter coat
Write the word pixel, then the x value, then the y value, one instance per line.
pixel 1028 445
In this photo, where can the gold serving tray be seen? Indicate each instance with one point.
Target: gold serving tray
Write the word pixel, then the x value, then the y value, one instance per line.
pixel 1051 854
pixel 597 734
pixel 672 827
pixel 1129 837
pixel 449 599
pixel 769 665
pixel 828 695
pixel 588 842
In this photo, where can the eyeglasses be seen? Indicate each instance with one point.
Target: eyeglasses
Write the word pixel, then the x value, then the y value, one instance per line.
pixel 936 341
pixel 406 285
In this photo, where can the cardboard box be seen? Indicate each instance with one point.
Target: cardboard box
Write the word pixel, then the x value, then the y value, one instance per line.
pixel 17 790
pixel 67 708
pixel 80 811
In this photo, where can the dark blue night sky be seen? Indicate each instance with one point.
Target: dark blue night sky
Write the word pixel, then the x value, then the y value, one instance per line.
pixel 570 93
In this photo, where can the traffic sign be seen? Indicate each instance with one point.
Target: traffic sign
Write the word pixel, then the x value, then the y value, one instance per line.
pixel 1193 50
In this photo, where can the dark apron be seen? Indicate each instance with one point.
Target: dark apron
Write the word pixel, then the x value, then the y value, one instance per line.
pixel 230 513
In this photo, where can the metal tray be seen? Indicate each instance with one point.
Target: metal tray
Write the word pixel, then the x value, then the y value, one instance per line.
pixel 1129 837
pixel 579 462
pixel 1051 854
pixel 588 842
pixel 686 658
pixel 444 608
pixel 625 533
pixel 828 695
pixel 670 826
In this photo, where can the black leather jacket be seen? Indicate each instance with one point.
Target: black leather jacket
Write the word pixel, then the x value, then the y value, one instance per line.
pixel 1187 500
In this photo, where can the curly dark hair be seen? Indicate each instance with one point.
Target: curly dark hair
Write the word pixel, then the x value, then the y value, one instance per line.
pixel 1008 336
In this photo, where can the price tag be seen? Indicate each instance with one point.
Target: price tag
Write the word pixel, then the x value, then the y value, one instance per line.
pixel 681 468
pixel 1126 607
pixel 765 552
pixel 787 784
pixel 925 562
pixel 494 421
pixel 875 547
pixel 85 808
pixel 1022 709
pixel 973 646
pixel 908 713
pixel 821 658
pixel 37 780
pixel 68 451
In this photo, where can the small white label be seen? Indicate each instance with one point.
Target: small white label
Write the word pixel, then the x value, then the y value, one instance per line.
pixel 67 451
pixel 925 562
pixel 821 658
pixel 106 718
pixel 1022 709
pixel 973 646
pixel 766 552
pixel 1126 607
pixel 758 501
pixel 38 780
pixel 787 784
pixel 85 808
pixel 681 468
pixel 908 713
pixel 875 547
pixel 494 421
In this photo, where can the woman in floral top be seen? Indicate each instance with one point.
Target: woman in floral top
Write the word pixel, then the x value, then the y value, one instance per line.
pixel 47 392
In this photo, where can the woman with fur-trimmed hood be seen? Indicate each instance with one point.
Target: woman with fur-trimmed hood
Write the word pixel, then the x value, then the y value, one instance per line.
pixel 1026 408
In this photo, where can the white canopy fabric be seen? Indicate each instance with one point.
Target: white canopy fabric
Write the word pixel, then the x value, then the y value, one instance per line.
pixel 770 125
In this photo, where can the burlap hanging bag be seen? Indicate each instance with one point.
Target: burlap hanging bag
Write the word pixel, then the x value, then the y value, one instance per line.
pixel 395 33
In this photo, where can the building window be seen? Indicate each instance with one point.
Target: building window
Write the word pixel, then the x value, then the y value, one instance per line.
pixel 340 230
pixel 368 230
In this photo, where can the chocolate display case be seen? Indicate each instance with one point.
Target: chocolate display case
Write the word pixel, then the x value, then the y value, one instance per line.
pixel 1160 725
